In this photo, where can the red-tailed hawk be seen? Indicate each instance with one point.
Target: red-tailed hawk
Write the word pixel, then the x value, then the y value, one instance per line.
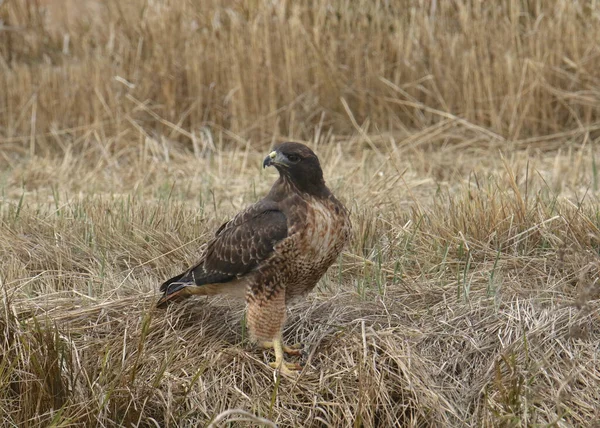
pixel 274 250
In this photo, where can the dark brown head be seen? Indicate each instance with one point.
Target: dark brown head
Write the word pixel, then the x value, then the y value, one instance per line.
pixel 298 165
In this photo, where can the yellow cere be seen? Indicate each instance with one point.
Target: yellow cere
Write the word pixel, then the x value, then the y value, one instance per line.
pixel 273 154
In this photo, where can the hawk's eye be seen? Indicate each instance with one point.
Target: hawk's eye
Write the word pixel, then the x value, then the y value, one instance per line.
pixel 293 158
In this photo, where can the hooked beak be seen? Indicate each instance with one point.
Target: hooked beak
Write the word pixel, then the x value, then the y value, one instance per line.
pixel 270 160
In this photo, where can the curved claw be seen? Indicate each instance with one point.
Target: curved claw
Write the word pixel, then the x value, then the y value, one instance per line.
pixel 295 349
pixel 287 369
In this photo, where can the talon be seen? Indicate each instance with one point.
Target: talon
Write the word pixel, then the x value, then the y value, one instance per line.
pixel 287 369
pixel 295 349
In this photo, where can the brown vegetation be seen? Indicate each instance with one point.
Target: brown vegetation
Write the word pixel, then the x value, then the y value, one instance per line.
pixel 463 136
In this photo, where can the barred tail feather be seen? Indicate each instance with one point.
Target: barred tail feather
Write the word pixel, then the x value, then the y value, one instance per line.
pixel 178 288
pixel 174 291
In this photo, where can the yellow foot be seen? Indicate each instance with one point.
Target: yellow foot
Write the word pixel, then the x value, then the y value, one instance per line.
pixel 287 369
pixel 295 349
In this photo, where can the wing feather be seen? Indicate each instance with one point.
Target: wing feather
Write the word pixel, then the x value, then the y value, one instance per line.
pixel 238 247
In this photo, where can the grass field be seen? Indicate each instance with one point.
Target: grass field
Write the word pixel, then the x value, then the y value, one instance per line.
pixel 462 135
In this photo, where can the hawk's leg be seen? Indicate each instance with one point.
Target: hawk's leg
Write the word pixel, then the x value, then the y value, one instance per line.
pixel 265 318
pixel 288 369
pixel 295 349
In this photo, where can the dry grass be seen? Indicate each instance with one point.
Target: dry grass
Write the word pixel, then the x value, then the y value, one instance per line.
pixel 463 135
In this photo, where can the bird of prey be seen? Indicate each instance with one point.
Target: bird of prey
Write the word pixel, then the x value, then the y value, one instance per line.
pixel 273 251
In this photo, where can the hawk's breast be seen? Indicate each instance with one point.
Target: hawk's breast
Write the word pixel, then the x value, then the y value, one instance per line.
pixel 322 230
pixel 319 242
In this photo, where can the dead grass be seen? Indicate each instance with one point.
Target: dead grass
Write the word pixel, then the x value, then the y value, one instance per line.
pixel 259 71
pixel 462 136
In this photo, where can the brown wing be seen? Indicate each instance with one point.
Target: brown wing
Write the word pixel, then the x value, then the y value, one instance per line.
pixel 237 248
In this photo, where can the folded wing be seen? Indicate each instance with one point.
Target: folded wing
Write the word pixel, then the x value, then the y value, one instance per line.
pixel 239 246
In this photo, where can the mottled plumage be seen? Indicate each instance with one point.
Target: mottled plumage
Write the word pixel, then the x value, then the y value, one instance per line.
pixel 273 251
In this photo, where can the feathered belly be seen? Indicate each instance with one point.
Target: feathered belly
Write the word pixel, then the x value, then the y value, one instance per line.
pixel 319 244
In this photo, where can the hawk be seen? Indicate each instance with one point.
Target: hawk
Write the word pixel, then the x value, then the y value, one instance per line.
pixel 273 251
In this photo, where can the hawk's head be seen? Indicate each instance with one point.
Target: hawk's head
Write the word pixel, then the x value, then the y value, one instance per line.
pixel 298 164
